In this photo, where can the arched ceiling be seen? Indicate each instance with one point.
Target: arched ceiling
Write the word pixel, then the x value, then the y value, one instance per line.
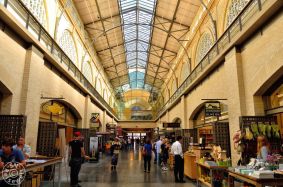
pixel 137 40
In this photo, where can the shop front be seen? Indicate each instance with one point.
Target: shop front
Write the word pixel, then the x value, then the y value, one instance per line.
pixel 58 120
pixel 208 140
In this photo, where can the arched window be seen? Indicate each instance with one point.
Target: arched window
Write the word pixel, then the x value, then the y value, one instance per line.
pixel 98 86
pixel 66 42
pixel 204 45
pixel 185 72
pixel 87 72
pixel 236 6
pixel 37 9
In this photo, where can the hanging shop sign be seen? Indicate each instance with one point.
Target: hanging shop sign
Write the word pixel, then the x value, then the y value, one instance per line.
pixel 94 117
pixel 212 109
pixel 94 121
pixel 119 131
pixel 171 125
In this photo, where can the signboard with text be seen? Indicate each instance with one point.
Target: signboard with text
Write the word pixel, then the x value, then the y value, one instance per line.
pixel 94 121
pixel 171 125
pixel 212 109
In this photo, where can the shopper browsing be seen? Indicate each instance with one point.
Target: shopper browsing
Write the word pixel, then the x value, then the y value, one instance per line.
pixel 176 149
pixel 165 154
pixel 77 152
pixel 26 149
pixel 10 155
pixel 262 147
pixel 147 149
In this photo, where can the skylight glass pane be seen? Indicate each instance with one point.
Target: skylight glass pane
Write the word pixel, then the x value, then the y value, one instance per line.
pixel 137 16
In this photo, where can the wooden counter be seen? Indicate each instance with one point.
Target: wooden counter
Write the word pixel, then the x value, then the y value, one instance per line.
pixel 190 168
pixel 40 162
pixel 213 173
pixel 253 180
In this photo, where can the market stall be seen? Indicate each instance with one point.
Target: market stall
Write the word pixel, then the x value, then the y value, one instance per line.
pixel 257 179
pixel 35 167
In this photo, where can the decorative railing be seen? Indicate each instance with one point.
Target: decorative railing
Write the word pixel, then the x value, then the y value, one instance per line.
pixel 219 46
pixel 26 18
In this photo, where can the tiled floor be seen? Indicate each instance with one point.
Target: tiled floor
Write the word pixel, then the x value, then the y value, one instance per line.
pixel 129 173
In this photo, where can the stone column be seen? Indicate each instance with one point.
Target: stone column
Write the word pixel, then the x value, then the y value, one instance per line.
pixel 104 121
pixel 183 112
pixel 31 91
pixel 235 95
pixel 87 112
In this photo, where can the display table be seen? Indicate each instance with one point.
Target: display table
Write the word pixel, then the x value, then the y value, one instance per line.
pixel 40 162
pixel 252 180
pixel 190 167
pixel 210 175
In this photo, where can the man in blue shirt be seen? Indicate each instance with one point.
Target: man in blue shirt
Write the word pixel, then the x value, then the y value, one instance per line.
pixel 8 154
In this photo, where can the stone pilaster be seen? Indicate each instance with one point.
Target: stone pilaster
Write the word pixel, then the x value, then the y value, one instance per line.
pixel 30 95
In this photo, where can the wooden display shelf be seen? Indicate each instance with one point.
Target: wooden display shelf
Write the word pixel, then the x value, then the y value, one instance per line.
pixel 204 182
pixel 212 167
pixel 253 180
pixel 190 165
pixel 203 169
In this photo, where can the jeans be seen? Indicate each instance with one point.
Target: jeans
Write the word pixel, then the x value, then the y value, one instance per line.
pixel 147 159
pixel 179 168
pixel 75 164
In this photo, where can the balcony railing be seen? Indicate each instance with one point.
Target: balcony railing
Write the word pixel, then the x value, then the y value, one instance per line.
pixel 252 7
pixel 26 18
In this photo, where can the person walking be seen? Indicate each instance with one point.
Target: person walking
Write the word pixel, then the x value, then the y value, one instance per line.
pixel 147 152
pixel 158 151
pixel 116 146
pixel 176 149
pixel 76 152
pixel 165 154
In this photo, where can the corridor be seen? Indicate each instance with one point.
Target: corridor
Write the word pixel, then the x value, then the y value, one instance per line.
pixel 129 172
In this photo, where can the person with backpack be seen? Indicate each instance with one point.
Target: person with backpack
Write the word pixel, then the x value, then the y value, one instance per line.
pixel 147 152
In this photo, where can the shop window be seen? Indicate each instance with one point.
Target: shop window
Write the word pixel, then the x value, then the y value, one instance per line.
pixel 67 43
pixel 275 99
pixel 205 43
pixel 37 9
pixel 236 6
pixel 54 111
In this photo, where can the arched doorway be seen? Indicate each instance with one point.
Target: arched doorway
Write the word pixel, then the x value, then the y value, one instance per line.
pixel 213 128
pixel 57 121
pixel 5 99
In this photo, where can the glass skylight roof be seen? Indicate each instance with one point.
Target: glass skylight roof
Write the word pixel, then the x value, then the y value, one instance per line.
pixel 137 18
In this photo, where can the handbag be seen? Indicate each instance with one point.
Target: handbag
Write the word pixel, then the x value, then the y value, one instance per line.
pixel 143 152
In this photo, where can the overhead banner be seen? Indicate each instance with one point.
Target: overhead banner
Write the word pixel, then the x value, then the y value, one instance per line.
pixel 212 109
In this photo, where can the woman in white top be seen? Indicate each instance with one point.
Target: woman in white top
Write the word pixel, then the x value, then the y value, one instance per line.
pixel 262 147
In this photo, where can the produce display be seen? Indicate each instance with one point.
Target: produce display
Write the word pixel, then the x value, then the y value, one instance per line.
pixel 262 128
pixel 254 129
pixel 249 134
